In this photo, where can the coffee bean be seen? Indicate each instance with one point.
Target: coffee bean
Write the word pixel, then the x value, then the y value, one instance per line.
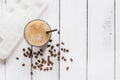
pixel 67 68
pixel 17 58
pixel 64 59
pixel 59 53
pixel 54 50
pixel 23 49
pixel 62 43
pixel 36 63
pixel 50 40
pixel 58 58
pixel 58 32
pixel 40 68
pixel 57 44
pixel 36 57
pixel 64 49
pixel 67 50
pixel 71 59
pixel 39 61
pixel 34 67
pixel 41 50
pixel 61 49
pixel 29 48
pixel 48 46
pixel 50 68
pixel 31 73
pixel 34 53
pixel 23 64
pixel 41 54
pixel 52 47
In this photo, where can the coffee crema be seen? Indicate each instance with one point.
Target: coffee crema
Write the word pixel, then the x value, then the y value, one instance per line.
pixel 35 32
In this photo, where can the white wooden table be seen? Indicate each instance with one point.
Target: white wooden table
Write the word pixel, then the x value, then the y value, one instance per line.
pixel 89 28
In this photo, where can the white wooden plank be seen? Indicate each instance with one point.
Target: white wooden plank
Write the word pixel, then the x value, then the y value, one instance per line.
pixel 2 70
pixel 117 21
pixel 2 65
pixel 101 40
pixel 14 69
pixel 73 33
pixel 51 17
pixel 19 14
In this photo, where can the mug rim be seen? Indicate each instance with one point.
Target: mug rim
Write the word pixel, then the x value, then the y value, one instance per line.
pixel 26 27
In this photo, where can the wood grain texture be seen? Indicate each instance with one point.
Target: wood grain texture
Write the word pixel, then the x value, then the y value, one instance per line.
pixel 73 33
pixel 101 40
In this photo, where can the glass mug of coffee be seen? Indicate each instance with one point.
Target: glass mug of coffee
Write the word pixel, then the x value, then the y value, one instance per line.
pixel 37 32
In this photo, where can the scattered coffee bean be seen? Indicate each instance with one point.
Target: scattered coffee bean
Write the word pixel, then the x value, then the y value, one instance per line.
pixel 17 58
pixel 39 61
pixel 52 47
pixel 54 50
pixel 61 49
pixel 41 50
pixel 23 64
pixel 24 49
pixel 67 68
pixel 34 67
pixel 57 44
pixel 71 59
pixel 50 68
pixel 64 59
pixel 62 43
pixel 64 49
pixel 36 63
pixel 34 53
pixel 31 73
pixel 29 48
pixel 40 68
pixel 36 57
pixel 41 54
pixel 48 46
pixel 58 32
pixel 67 50
pixel 50 40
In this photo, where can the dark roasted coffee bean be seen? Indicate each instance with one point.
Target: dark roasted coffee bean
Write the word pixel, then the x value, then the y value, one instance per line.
pixel 23 64
pixel 31 73
pixel 58 32
pixel 64 49
pixel 34 53
pixel 62 43
pixel 59 53
pixel 29 48
pixel 23 49
pixel 40 68
pixel 67 68
pixel 57 44
pixel 39 61
pixel 61 49
pixel 36 57
pixel 50 40
pixel 36 63
pixel 62 57
pixel 54 50
pixel 41 50
pixel 17 58
pixel 41 54
pixel 67 50
pixel 52 47
pixel 34 67
pixel 48 46
pixel 50 68
pixel 71 59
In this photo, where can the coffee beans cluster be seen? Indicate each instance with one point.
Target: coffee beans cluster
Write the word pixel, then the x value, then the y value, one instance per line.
pixel 46 64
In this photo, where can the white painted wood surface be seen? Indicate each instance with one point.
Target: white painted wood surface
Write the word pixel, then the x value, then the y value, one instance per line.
pixel 101 47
